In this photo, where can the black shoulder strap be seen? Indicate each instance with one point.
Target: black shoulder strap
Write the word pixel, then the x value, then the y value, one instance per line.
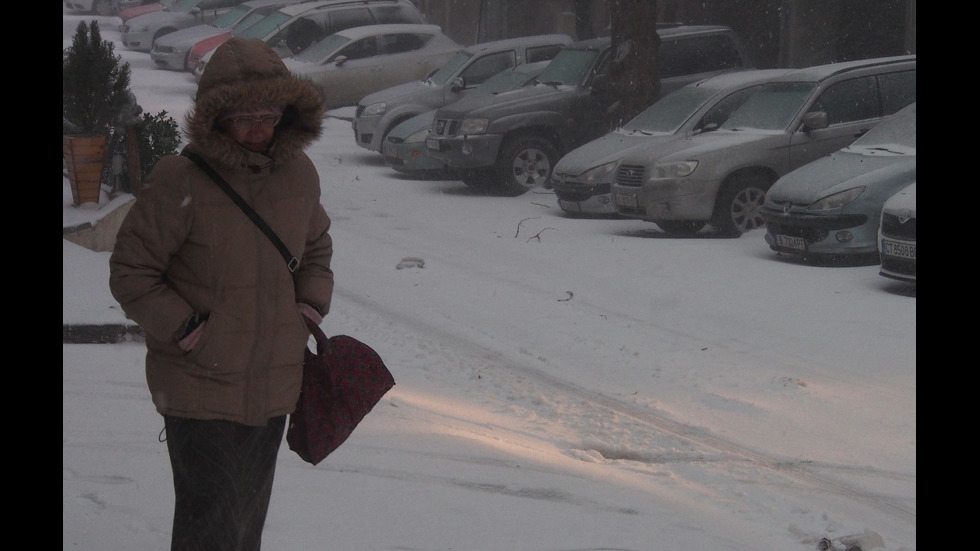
pixel 291 261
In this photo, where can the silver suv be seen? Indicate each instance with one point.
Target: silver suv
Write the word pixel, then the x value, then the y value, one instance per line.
pixel 381 111
pixel 721 177
pixel 509 142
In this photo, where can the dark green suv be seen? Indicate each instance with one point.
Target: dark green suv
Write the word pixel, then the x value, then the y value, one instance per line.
pixel 509 142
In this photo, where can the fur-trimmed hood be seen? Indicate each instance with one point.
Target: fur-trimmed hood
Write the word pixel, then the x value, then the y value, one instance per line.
pixel 245 73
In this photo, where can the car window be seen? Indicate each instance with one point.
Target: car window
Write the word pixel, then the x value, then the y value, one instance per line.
pixel 359 49
pixel 773 107
pixel 319 51
pixel 724 108
pixel 487 66
pixel 849 101
pixel 228 18
pixel 702 54
pixel 396 14
pixel 569 67
pixel 442 75
pixel 668 113
pixel 348 18
pixel 897 91
pixel 262 28
pixel 403 42
pixel 217 4
pixel 542 53
pixel 300 35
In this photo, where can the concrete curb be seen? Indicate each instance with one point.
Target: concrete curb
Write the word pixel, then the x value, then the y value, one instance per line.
pixel 101 334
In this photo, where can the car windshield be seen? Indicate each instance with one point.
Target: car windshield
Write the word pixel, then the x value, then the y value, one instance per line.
pixel 248 21
pixel 668 113
pixel 503 81
pixel 569 67
pixel 321 50
pixel 446 72
pixel 263 28
pixel 229 18
pixel 184 6
pixel 893 136
pixel 773 107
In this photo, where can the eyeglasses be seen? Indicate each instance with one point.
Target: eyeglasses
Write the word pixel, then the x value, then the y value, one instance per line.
pixel 248 123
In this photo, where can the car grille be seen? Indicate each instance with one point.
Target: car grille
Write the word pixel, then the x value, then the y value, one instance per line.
pixel 446 127
pixel 892 226
pixel 630 175
pixel 810 234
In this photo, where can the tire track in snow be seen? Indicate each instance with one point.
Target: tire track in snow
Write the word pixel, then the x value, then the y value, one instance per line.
pixel 796 472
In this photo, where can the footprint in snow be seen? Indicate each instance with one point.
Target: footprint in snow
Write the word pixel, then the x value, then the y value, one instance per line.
pixel 410 262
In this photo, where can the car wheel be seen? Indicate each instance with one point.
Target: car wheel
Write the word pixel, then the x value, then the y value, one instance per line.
pixel 738 204
pixel 104 8
pixel 525 163
pixel 680 227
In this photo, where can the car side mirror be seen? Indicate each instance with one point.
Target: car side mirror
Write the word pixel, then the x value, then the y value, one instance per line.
pixel 815 120
pixel 339 60
pixel 710 127
pixel 457 84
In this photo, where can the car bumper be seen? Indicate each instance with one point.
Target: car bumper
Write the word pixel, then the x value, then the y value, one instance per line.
pixel 820 235
pixel 141 42
pixel 685 199
pixel 410 157
pixel 579 198
pixel 364 132
pixel 169 60
pixel 465 152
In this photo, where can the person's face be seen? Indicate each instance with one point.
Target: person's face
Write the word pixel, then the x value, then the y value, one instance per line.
pixel 254 132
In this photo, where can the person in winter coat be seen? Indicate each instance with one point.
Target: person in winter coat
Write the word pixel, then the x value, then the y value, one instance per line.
pixel 222 314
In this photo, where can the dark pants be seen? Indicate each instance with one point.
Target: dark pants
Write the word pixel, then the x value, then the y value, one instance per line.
pixel 223 475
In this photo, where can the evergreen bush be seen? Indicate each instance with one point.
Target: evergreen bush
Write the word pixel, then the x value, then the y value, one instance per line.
pixel 95 85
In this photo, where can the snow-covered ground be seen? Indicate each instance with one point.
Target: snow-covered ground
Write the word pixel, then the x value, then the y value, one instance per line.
pixel 562 384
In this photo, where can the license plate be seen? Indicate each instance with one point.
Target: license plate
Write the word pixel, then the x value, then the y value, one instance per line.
pixel 570 206
pixel 626 200
pixel 432 143
pixel 899 249
pixel 791 242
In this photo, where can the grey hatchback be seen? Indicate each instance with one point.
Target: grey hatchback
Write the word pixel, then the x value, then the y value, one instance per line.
pixel 721 177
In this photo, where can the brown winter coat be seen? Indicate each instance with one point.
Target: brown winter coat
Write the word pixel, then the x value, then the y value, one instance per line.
pixel 185 247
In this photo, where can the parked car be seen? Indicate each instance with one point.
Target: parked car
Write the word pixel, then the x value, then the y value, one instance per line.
pixel 830 208
pixel 292 28
pixel 896 236
pixel 133 10
pixel 582 178
pixel 170 51
pixel 140 32
pixel 355 62
pixel 722 177
pixel 509 143
pixel 104 8
pixel 404 147
pixel 379 112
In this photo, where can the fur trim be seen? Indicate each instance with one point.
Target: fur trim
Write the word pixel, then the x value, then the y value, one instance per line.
pixel 246 72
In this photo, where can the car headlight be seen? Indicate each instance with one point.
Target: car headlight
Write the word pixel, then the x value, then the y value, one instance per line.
pixel 837 200
pixel 672 169
pixel 474 126
pixel 376 108
pixel 599 173
pixel 418 136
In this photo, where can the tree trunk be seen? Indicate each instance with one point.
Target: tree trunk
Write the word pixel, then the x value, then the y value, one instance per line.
pixel 635 73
